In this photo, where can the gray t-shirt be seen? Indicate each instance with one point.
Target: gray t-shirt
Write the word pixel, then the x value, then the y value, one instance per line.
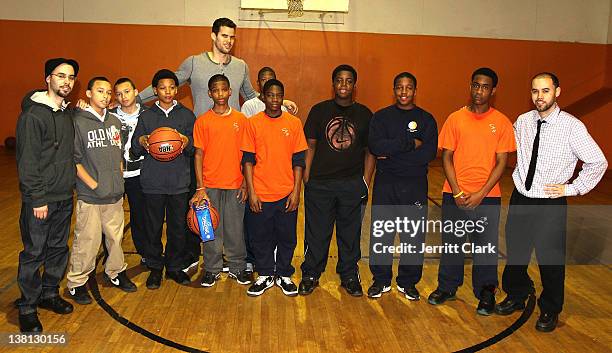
pixel 198 69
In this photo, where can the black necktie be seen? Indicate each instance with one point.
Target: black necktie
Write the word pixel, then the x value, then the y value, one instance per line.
pixel 534 157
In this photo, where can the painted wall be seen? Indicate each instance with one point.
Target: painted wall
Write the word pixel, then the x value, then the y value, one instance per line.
pixel 599 123
pixel 610 26
pixel 304 60
pixel 437 40
pixel 549 20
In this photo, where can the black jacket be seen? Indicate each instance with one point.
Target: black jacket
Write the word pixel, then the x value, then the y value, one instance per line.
pixel 45 152
pixel 172 177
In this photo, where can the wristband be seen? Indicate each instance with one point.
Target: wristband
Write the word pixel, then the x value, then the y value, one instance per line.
pixel 202 188
pixel 458 195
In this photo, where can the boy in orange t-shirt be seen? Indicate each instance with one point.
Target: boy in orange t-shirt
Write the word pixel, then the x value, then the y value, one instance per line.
pixel 273 148
pixel 475 142
pixel 217 135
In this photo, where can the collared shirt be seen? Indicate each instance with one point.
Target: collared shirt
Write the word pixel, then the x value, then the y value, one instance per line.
pixel 563 141
pixel 167 112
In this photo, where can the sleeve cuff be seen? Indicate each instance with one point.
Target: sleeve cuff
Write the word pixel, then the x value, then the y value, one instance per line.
pixel 570 190
pixel 39 202
pixel 248 157
pixel 298 159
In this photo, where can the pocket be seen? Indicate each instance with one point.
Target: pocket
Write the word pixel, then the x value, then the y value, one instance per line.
pixel 104 186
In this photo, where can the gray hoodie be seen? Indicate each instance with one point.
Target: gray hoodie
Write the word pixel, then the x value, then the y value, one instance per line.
pixel 97 147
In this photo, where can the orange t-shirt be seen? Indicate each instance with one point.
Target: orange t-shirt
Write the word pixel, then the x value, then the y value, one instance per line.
pixel 475 140
pixel 219 138
pixel 274 141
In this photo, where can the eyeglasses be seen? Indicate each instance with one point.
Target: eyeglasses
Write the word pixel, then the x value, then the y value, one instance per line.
pixel 70 78
pixel 476 86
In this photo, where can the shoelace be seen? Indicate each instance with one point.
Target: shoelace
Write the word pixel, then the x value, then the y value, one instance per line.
pixel 261 279
pixel 286 280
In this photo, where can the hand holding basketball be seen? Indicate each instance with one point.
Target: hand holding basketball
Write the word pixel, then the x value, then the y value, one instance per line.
pixel 185 140
pixel 144 142
pixel 192 219
pixel 198 197
pixel 165 144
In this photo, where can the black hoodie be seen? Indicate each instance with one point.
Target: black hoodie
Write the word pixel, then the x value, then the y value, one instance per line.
pixel 45 152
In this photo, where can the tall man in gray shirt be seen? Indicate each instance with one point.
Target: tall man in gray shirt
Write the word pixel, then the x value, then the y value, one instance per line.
pixel 198 69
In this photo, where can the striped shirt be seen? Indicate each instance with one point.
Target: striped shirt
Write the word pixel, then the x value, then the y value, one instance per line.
pixel 563 141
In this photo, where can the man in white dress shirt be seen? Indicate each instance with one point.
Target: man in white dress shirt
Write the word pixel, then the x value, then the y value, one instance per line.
pixel 549 144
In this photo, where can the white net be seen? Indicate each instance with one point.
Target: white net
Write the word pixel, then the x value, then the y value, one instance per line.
pixel 295 8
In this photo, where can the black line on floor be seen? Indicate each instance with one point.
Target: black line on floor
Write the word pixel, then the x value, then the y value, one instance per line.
pixel 95 291
pixel 434 201
pixel 507 332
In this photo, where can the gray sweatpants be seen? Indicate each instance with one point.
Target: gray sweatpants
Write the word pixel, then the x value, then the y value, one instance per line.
pixel 229 235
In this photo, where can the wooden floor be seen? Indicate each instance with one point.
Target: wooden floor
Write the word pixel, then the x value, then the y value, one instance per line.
pixel 225 319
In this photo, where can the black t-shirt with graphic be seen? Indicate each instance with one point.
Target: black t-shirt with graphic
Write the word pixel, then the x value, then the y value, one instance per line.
pixel 342 136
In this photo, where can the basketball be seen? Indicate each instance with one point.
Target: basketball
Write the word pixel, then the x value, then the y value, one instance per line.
pixel 192 221
pixel 165 144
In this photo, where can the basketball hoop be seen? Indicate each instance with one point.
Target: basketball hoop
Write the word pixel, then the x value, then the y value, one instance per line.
pixel 295 8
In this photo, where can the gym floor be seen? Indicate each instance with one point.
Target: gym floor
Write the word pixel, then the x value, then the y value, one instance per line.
pixel 224 319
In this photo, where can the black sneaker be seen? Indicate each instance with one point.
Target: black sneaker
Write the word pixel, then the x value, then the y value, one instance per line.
pixel 352 286
pixel 261 285
pixel 30 323
pixel 209 279
pixel 179 277
pixel 192 266
pixel 80 295
pixel 410 292
pixel 308 285
pixel 286 284
pixel 509 305
pixel 547 322
pixel 439 296
pixel 377 289
pixel 56 304
pixel 242 277
pixel 122 282
pixel 486 305
pixel 154 280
